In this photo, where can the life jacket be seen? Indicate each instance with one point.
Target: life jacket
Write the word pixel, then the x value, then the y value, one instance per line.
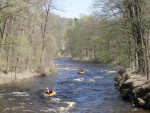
pixel 50 90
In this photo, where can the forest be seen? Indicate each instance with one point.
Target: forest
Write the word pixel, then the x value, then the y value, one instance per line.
pixel 117 32
pixel 30 34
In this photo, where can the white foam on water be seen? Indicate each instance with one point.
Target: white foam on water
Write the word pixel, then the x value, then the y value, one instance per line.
pixel 20 107
pixel 14 108
pixel 86 69
pixel 28 111
pixel 11 99
pixel 112 110
pixel 56 100
pixel 8 109
pixel 2 94
pixel 111 71
pixel 64 68
pixel 68 105
pixel 71 104
pixel 22 103
pixel 73 69
pixel 20 94
pixel 49 110
pixel 79 79
pixel 91 80
pixel 63 110
pixel 98 77
pixel 52 111
pixel 102 70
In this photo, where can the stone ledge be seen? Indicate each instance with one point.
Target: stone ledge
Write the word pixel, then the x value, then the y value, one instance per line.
pixel 134 87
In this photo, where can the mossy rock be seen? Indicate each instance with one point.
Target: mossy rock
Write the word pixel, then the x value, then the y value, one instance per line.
pixel 143 92
pixel 118 79
pixel 127 85
pixel 122 71
pixel 127 95
pixel 147 97
pixel 147 101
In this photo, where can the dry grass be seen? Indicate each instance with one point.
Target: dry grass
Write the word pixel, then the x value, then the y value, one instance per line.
pixel 11 77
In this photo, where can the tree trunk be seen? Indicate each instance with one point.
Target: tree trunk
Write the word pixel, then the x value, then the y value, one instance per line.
pixel 8 59
pixel 18 55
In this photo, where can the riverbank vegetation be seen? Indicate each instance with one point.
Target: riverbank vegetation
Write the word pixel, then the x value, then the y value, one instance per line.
pixel 30 35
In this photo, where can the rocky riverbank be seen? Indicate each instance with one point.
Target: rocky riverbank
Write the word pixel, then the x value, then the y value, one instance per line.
pixel 134 87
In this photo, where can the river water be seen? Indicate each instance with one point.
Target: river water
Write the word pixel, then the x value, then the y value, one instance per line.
pixel 92 92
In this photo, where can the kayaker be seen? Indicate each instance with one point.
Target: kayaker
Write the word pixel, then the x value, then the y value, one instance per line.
pixel 47 91
pixel 81 70
pixel 50 90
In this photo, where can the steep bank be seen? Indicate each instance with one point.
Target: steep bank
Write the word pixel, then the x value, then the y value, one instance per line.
pixel 134 87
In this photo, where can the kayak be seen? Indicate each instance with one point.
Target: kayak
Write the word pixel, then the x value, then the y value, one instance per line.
pixel 81 72
pixel 50 95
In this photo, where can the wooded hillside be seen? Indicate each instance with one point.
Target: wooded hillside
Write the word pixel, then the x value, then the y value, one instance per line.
pixel 30 34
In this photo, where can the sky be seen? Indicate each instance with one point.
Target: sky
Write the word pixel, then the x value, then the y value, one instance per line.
pixel 74 8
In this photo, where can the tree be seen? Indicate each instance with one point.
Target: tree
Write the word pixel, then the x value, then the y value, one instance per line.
pixel 24 24
pixel 134 21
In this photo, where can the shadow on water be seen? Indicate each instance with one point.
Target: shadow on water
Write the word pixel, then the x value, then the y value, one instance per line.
pixel 92 92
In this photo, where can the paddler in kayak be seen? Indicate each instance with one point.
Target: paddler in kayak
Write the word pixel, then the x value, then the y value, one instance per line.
pixel 48 90
pixel 81 71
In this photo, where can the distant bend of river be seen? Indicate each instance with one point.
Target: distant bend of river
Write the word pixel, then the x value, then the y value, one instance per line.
pixel 92 92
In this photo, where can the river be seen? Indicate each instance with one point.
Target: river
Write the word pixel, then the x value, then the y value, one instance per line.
pixel 92 92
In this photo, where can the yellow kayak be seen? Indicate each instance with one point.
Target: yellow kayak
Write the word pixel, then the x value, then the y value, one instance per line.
pixel 50 95
pixel 81 72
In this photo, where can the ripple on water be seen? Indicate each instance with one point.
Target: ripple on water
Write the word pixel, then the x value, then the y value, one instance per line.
pixel 11 110
pixel 28 111
pixel 8 110
pixel 20 94
pixel 49 110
